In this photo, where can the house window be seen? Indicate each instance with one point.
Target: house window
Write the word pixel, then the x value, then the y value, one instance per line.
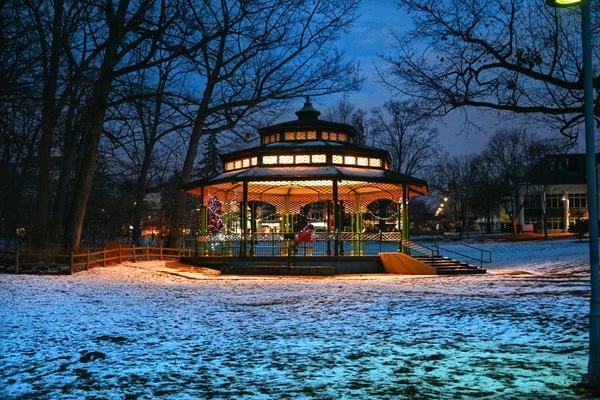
pixel 532 201
pixel 572 164
pixel 337 159
pixel 554 201
pixel 555 223
pixel 554 164
pixel 362 161
pixel 577 200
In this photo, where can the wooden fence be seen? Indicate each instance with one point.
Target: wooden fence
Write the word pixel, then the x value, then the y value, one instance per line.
pixel 57 264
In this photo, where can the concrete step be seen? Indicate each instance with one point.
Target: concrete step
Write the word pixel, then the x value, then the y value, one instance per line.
pixel 448 266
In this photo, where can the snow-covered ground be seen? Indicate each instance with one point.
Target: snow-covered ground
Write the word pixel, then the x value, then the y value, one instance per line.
pixel 149 330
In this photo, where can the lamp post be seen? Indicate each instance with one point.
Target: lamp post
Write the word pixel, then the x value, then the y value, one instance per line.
pixel 452 213
pixel 593 375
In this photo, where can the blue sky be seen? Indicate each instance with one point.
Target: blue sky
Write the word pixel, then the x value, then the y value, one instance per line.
pixel 371 35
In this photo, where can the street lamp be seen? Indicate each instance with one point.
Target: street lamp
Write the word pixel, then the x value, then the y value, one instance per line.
pixel 593 375
pixel 452 212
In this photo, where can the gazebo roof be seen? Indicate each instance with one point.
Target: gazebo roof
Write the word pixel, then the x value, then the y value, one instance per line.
pixel 308 159
pixel 303 180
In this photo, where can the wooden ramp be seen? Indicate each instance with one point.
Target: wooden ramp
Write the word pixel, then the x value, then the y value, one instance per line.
pixel 399 263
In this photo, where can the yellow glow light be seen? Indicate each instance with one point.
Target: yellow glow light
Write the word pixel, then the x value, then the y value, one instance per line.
pixel 563 3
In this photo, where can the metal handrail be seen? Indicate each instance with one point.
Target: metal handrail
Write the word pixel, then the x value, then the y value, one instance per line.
pixel 419 248
pixel 482 253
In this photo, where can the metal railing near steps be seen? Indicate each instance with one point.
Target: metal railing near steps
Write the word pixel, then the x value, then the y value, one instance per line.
pixel 419 248
pixel 476 254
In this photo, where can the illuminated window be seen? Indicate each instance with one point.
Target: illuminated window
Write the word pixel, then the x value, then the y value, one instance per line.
pixel 304 159
pixel 325 135
pixel 229 166
pixel 269 160
pixel 333 136
pixel 311 135
pixel 301 135
pixel 342 137
pixel 254 160
pixel 246 162
pixel 374 162
pixel 290 136
pixel 277 137
pixel 238 164
pixel 286 159
pixel 267 139
pixel 337 159
pixel 350 160
pixel 362 161
pixel 318 158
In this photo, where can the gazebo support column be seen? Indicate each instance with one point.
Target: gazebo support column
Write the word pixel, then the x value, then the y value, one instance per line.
pixel 203 229
pixel 227 225
pixel 336 212
pixel 287 219
pixel 357 227
pixel 328 250
pixel 405 218
pixel 399 224
pixel 244 222
pixel 253 229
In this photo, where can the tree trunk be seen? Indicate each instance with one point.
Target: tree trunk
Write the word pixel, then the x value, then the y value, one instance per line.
pixel 138 209
pixel 180 204
pixel 40 235
pixel 94 123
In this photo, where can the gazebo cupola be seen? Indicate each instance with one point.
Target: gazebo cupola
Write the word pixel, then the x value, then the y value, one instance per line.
pixel 304 161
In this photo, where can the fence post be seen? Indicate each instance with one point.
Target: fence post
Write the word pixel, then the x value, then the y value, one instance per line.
pixel 133 252
pixel 87 260
pixel 104 257
pixel 17 261
pixel 71 263
pixel 161 252
pixel 147 253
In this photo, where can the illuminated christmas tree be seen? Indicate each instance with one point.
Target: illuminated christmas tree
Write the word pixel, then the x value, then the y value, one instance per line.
pixel 215 218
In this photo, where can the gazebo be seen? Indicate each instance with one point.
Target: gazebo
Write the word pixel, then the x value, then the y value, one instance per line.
pixel 308 182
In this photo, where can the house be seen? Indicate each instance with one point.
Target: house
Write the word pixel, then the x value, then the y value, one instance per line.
pixel 554 193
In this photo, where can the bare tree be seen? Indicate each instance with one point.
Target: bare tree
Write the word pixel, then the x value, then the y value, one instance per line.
pixel 452 179
pixel 341 112
pixel 346 112
pixel 400 128
pixel 256 53
pixel 127 31
pixel 518 56
pixel 238 58
pixel 136 130
pixel 511 153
